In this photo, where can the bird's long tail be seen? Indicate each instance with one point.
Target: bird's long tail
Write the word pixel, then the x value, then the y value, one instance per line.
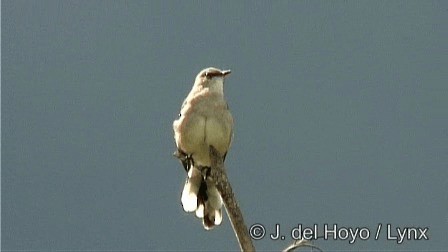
pixel 201 196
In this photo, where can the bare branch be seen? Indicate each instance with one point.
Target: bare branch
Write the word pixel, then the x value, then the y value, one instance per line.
pixel 301 243
pixel 219 175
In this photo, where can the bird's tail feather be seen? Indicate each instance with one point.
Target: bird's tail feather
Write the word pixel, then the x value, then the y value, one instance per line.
pixel 201 196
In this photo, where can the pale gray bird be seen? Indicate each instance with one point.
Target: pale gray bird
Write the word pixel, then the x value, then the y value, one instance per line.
pixel 204 120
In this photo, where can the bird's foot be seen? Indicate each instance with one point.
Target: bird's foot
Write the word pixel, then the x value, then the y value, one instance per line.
pixel 185 159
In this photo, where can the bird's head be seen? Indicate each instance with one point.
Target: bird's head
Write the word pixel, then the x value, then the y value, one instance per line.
pixel 211 77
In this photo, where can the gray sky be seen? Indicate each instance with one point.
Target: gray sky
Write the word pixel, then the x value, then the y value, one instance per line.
pixel 340 114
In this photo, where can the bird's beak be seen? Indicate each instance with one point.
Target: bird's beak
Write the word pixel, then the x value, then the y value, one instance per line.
pixel 225 72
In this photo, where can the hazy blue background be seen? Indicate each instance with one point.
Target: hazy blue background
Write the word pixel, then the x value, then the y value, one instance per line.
pixel 340 111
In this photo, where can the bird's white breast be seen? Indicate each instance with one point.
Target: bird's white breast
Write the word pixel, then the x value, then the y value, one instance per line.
pixel 203 123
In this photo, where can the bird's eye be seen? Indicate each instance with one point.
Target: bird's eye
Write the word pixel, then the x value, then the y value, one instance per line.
pixel 207 75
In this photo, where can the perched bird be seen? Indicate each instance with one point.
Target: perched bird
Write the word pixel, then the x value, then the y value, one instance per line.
pixel 204 120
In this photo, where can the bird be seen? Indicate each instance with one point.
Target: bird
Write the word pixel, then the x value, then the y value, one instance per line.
pixel 204 120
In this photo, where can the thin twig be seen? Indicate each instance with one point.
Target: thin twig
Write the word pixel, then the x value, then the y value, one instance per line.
pixel 219 175
pixel 301 243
